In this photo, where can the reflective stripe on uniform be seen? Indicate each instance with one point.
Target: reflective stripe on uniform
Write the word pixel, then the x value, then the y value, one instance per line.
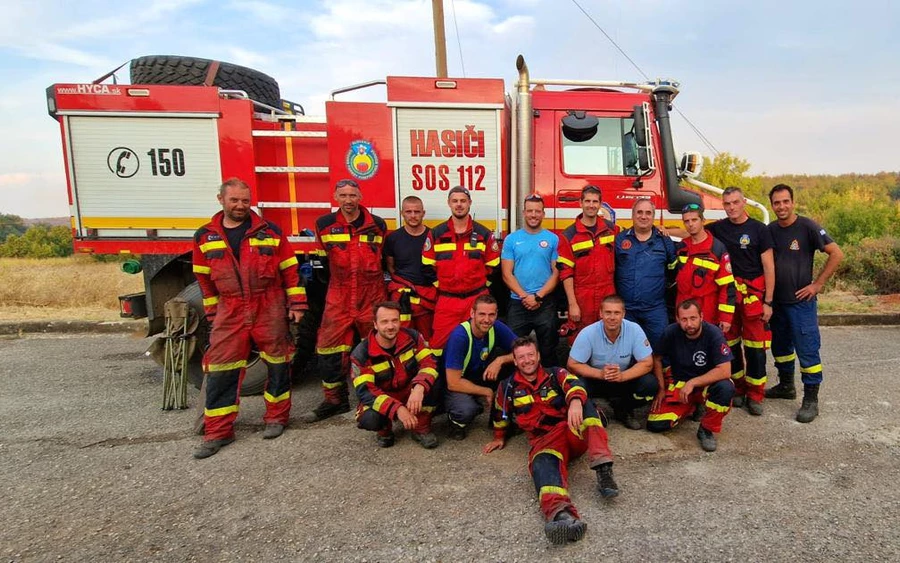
pixel 343 237
pixel 227 366
pixel 725 281
pixel 565 261
pixel 737 374
pixel 221 411
pixel 362 379
pixel 552 490
pixel 210 301
pixel 582 245
pixel 526 400
pixel 423 353
pixel 753 381
pixel 656 417
pixel 468 328
pixel 285 264
pixel 445 247
pixel 277 399
pixel 370 239
pixel 405 356
pixel 264 241
pixel 726 308
pixel 757 344
pixel 202 269
pixel 276 359
pixel 811 369
pixel 428 261
pixel 468 247
pixel 715 407
pixel 213 245
pixel 735 341
pixel 789 358
pixel 336 385
pixel 295 291
pixel 333 349
pixel 548 451
pixel 379 402
pixel 381 366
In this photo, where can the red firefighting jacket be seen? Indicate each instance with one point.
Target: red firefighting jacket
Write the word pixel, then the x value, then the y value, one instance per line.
pixel 536 407
pixel 383 381
pixel 267 263
pixel 589 258
pixel 704 269
pixel 461 263
pixel 354 253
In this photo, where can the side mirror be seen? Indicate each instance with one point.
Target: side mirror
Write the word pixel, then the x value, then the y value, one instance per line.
pixel 640 125
pixel 691 165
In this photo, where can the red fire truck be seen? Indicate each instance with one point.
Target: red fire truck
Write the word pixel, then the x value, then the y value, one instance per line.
pixel 143 161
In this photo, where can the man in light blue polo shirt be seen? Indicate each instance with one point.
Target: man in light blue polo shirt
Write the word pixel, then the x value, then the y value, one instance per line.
pixel 528 263
pixel 614 358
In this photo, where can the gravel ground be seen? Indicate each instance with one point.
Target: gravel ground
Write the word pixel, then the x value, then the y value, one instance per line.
pixel 93 471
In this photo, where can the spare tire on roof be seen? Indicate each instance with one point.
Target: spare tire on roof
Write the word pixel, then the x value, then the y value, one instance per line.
pixel 191 71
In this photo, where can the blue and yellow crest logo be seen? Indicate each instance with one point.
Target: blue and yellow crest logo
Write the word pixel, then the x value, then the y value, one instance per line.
pixel 484 354
pixel 362 162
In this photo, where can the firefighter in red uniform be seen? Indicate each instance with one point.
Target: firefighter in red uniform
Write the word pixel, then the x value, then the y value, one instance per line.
pixel 409 285
pixel 587 260
pixel 703 271
pixel 394 375
pixel 550 405
pixel 460 254
pixel 351 239
pixel 248 276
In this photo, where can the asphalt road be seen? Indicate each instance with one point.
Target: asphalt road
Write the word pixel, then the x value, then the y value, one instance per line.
pixel 92 470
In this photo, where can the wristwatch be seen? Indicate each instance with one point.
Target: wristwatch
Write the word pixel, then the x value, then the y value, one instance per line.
pixel 769 303
pixel 537 297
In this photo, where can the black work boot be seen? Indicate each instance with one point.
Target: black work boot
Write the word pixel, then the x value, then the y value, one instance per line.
pixel 455 431
pixel 564 528
pixel 325 410
pixel 707 439
pixel 385 438
pixel 785 388
pixel 738 401
pixel 809 409
pixel 606 484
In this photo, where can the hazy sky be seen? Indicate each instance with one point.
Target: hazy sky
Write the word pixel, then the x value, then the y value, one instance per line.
pixel 791 86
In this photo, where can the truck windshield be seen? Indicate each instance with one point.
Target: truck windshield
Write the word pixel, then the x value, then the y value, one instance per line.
pixel 611 151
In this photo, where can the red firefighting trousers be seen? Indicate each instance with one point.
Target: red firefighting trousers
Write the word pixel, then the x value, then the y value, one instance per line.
pixel 748 328
pixel 261 318
pixel 550 456
pixel 716 398
pixel 348 313
pixel 589 301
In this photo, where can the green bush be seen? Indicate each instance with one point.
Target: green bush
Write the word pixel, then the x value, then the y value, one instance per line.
pixel 872 266
pixel 39 241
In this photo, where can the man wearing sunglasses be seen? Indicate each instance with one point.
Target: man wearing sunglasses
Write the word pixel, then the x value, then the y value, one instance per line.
pixel 351 240
pixel 703 271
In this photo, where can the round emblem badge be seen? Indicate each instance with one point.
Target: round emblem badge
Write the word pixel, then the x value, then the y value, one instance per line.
pixel 544 244
pixel 626 244
pixel 362 161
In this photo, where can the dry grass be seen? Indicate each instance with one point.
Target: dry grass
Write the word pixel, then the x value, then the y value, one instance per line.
pixel 76 287
pixel 80 288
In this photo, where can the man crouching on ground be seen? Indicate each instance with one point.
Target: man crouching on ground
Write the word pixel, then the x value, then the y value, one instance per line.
pixel 394 376
pixel 551 406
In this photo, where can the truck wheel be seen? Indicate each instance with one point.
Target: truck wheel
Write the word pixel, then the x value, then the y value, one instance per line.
pixel 191 71
pixel 255 377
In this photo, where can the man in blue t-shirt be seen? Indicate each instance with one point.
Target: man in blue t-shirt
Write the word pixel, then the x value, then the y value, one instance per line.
pixel 475 357
pixel 614 358
pixel 528 263
pixel 698 376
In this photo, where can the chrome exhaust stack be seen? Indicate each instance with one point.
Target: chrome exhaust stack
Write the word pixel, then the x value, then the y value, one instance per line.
pixel 523 142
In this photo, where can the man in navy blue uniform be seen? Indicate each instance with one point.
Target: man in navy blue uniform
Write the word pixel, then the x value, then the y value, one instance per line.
pixel 699 376
pixel 795 323
pixel 645 258
pixel 476 352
